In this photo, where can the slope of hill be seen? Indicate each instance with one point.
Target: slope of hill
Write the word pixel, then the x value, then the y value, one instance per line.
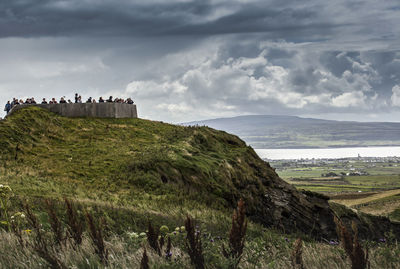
pixel 265 131
pixel 157 169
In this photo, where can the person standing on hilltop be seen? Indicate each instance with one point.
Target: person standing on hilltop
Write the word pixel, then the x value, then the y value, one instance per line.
pixel 76 98
pixel 14 102
pixel 44 102
pixel 7 108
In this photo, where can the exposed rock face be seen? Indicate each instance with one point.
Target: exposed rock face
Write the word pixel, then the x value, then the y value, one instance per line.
pixel 294 211
pixel 278 204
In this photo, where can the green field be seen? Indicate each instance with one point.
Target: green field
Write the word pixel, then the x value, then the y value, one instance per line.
pixel 372 193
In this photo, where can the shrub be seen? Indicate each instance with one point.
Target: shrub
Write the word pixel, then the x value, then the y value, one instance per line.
pixel 237 234
pixel 74 223
pixel 152 238
pixel 297 260
pixel 96 234
pixel 353 248
pixel 193 244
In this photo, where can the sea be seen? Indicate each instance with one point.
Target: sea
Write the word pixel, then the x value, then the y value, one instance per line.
pixel 328 153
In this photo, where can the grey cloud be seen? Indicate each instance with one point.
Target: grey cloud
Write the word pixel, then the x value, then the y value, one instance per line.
pixel 254 82
pixel 185 60
pixel 291 20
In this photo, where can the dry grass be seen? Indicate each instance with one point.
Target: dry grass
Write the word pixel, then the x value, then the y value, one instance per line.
pixel 269 251
pixel 237 235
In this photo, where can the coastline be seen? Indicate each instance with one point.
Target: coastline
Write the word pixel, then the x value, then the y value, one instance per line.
pixel 333 153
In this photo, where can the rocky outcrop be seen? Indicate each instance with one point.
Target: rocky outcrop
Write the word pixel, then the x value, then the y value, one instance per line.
pixel 278 204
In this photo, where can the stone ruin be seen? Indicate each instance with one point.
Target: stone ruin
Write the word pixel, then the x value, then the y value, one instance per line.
pixel 92 110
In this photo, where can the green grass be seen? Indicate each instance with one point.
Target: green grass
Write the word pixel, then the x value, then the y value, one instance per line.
pixel 131 171
pixel 303 172
pixel 133 163
pixel 376 181
pixel 381 177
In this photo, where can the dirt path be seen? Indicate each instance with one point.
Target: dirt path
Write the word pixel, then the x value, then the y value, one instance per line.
pixel 370 198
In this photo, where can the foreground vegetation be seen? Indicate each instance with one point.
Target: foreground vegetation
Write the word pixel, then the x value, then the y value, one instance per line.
pixel 70 235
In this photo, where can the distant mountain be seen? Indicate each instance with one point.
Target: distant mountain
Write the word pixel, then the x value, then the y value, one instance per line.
pixel 267 131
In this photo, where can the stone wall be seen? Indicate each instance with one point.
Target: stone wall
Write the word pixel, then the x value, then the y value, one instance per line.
pixel 93 110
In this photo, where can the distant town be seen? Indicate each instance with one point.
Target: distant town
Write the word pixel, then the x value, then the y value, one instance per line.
pixel 323 161
pixel 355 166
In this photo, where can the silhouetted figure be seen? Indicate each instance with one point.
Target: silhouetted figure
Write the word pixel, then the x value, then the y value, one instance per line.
pixel 69 101
pixel 76 98
pixel 101 100
pixel 53 101
pixel 44 102
pixel 110 100
pixel 89 100
pixel 33 101
pixel 129 101
pixel 62 101
pixel 7 108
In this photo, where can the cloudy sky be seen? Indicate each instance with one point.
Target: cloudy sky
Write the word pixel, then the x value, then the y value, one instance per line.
pixel 185 60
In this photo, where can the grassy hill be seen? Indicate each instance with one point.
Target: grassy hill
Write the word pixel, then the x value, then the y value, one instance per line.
pixel 268 131
pixel 148 164
pixel 124 160
pixel 131 171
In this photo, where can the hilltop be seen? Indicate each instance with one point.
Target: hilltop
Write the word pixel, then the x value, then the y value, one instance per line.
pixel 270 131
pixel 153 169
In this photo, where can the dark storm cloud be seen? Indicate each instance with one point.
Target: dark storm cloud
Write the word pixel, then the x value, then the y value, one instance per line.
pixel 118 18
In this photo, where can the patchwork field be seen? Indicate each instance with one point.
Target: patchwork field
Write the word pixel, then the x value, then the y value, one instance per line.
pixel 370 185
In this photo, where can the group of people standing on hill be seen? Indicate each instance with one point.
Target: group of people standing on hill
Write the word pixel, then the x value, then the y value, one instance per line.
pixel 16 102
pixel 78 99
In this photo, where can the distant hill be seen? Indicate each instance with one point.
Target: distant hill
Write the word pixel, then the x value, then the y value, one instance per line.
pixel 266 131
